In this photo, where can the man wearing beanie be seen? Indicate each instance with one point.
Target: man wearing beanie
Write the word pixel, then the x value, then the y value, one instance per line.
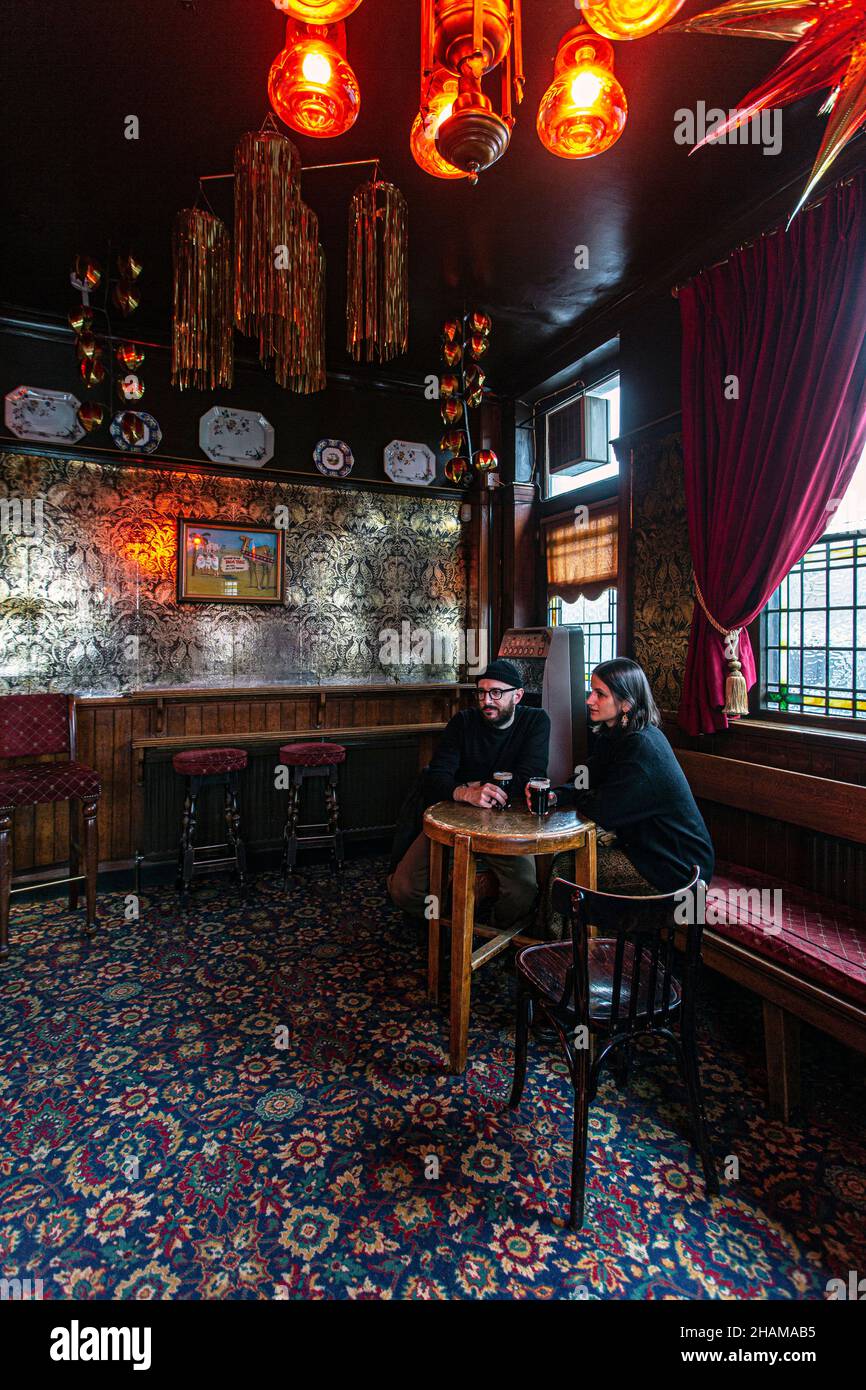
pixel 499 735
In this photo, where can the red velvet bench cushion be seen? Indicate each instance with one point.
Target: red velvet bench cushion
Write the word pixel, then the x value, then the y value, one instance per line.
pixel 819 939
pixel 209 762
pixel 31 784
pixel 312 754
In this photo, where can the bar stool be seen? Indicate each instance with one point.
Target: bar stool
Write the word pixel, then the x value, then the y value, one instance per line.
pixel 312 760
pixel 30 726
pixel 210 767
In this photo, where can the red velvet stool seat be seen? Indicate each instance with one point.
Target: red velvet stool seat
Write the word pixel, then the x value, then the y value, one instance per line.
pixel 31 726
pixel 210 767
pixel 312 760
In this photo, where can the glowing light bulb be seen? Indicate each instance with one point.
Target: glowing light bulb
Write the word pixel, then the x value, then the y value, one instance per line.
pixel 311 85
pixel 584 110
pixel 586 88
pixel 316 68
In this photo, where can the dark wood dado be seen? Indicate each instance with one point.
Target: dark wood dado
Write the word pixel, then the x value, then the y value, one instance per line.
pixel 129 740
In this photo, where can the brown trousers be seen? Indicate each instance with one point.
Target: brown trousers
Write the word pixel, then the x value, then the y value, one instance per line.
pixel 409 884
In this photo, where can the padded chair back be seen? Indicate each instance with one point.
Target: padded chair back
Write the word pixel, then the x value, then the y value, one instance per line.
pixel 31 725
pixel 643 930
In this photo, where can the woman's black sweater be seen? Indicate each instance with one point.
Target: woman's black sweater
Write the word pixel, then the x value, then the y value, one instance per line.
pixel 637 788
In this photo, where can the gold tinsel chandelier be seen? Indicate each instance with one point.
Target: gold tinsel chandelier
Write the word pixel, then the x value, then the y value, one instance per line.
pixel 279 263
pixel 377 310
pixel 202 348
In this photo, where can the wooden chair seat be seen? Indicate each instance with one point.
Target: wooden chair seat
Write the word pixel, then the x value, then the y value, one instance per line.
pixel 547 967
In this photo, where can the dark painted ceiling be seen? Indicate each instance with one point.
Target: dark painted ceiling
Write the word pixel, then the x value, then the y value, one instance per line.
pixel 195 72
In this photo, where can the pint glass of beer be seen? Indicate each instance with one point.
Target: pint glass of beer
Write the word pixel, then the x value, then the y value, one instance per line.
pixel 503 780
pixel 539 795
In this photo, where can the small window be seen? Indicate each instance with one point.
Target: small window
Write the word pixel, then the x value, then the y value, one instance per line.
pixel 558 426
pixel 813 630
pixel 597 617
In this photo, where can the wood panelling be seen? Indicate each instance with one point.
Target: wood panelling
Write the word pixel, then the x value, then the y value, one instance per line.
pixel 830 864
pixel 396 728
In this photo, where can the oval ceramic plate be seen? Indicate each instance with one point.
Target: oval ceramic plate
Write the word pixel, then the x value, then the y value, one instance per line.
pixel 152 433
pixel 33 412
pixel 333 458
pixel 236 436
pixel 406 462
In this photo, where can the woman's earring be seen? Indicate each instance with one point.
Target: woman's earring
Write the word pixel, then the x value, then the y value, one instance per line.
pixel 624 721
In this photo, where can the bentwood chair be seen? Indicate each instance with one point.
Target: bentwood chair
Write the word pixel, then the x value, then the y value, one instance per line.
pixel 32 726
pixel 612 989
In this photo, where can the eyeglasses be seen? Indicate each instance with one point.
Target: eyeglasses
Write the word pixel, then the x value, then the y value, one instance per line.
pixel 494 695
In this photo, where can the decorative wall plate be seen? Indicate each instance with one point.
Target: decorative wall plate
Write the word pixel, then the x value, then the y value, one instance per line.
pixel 236 436
pixel 33 412
pixel 152 433
pixel 410 463
pixel 333 458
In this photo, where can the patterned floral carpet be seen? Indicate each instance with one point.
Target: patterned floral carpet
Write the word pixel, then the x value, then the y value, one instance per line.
pixel 160 1141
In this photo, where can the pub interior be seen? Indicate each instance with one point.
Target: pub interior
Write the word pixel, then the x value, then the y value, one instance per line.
pixel 374 372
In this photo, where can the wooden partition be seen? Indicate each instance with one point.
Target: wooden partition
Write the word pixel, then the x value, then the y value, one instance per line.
pixel 390 732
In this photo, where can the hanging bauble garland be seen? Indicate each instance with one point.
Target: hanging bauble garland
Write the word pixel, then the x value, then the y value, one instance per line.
pixel 461 389
pixel 378 273
pixel 202 345
pixel 829 53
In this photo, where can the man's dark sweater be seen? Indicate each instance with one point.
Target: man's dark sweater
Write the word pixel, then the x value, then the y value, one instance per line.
pixel 471 750
pixel 637 788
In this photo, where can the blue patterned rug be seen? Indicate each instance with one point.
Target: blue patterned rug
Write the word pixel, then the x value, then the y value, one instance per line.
pixel 161 1135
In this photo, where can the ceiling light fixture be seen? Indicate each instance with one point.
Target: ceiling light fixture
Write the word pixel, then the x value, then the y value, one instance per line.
pixel 442 93
pixel 584 110
pixel 628 19
pixel 469 39
pixel 311 85
pixel 317 11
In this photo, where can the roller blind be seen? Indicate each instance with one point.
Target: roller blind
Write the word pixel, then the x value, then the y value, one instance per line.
pixel 582 552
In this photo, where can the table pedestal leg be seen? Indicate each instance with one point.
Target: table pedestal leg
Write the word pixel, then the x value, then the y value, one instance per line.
pixel 433 930
pixel 585 868
pixel 462 914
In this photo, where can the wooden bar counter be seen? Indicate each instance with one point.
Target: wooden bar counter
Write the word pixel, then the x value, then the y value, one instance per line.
pixel 389 730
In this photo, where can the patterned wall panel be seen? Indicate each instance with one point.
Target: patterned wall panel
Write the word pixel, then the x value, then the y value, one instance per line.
pixel 87 581
pixel 661 567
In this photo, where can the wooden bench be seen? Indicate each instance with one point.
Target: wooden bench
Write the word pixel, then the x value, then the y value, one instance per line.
pixel 813 965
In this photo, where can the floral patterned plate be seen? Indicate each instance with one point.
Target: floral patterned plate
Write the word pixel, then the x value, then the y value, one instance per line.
pixel 152 433
pixel 410 463
pixel 236 436
pixel 33 412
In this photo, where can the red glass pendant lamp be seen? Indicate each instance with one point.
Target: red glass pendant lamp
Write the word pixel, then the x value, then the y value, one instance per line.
pixel 469 39
pixel 628 19
pixel 311 85
pixel 441 95
pixel 584 110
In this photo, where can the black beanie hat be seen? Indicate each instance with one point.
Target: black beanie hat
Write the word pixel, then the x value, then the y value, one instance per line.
pixel 501 670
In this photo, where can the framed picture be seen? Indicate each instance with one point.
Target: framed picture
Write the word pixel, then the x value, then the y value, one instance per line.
pixel 227 562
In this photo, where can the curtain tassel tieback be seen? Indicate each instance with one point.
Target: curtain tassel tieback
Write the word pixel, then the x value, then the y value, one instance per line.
pixel 736 690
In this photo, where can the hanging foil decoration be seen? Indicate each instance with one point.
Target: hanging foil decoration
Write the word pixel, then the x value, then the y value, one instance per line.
pixel 300 356
pixel 202 350
pixel 378 299
pixel 279 264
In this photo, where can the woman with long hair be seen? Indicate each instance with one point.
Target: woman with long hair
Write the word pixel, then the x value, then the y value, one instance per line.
pixel 634 789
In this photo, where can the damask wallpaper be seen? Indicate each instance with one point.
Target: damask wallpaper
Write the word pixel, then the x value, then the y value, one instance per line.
pixel 87 581
pixel 661 568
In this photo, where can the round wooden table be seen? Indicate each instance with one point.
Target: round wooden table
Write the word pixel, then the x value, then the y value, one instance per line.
pixel 470 831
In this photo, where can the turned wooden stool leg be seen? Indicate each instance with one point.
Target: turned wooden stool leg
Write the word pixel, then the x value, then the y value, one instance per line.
pixel 233 827
pixel 74 851
pixel 333 805
pixel 91 856
pixel 6 814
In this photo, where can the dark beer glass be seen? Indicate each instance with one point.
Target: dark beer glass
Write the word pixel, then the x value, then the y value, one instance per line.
pixel 503 780
pixel 539 795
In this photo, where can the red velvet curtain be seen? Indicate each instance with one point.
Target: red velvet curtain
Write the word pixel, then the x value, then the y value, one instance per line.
pixel 786 319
